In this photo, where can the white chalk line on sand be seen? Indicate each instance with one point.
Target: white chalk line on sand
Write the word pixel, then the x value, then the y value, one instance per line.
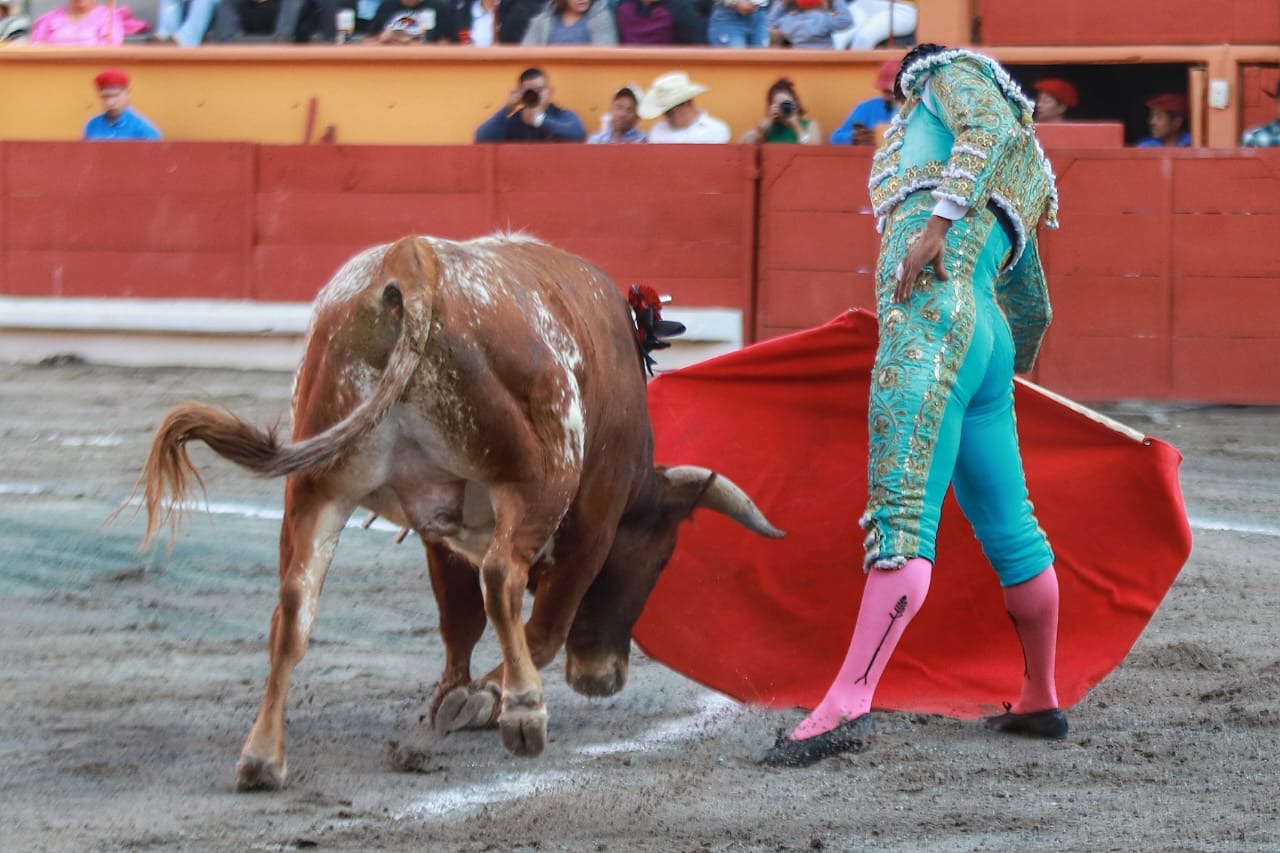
pixel 268 514
pixel 1232 526
pixel 507 787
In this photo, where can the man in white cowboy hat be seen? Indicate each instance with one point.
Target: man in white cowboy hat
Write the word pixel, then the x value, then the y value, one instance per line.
pixel 671 97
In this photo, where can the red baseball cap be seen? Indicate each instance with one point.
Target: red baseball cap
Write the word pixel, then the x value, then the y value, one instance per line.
pixel 887 73
pixel 112 78
pixel 1169 102
pixel 1060 89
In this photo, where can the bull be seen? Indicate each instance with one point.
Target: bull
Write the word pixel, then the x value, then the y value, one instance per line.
pixel 488 395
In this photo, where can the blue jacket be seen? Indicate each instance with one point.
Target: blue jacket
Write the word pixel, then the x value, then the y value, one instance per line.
pixel 129 125
pixel 869 113
pixel 558 126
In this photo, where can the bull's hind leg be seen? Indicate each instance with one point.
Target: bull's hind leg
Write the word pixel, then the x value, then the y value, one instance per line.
pixel 458 703
pixel 308 538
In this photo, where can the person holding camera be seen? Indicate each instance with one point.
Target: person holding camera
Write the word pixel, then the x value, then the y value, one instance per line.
pixel 530 116
pixel 785 120
pixel 808 23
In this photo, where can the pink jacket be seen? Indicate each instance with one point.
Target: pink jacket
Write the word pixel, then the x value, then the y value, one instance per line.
pixel 99 28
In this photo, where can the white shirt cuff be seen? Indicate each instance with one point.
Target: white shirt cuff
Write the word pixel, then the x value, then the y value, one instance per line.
pixel 950 209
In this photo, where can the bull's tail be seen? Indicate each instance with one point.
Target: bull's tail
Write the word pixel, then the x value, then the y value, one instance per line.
pixel 168 474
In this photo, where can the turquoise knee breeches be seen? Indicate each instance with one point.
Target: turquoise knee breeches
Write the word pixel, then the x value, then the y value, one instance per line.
pixel 973 444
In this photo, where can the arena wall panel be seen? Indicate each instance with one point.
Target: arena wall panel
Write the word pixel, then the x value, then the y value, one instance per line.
pixel 128 219
pixel 1164 274
pixel 1150 22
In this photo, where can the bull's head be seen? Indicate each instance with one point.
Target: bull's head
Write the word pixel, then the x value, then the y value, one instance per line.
pixel 599 643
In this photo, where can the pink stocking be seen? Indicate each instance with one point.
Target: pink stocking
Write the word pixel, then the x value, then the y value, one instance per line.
pixel 890 599
pixel 1033 606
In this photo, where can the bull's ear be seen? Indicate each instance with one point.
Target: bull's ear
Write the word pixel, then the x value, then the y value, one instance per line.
pixel 720 494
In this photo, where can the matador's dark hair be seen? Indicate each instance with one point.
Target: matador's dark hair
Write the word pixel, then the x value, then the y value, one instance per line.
pixel 918 52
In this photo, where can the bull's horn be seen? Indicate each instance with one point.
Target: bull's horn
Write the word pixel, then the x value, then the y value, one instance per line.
pixel 725 497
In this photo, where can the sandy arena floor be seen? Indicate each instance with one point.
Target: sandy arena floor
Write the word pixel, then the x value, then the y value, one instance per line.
pixel 128 683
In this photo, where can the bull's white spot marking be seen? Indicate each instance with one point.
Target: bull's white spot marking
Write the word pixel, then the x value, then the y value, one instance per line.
pixel 351 278
pixel 361 377
pixel 564 351
pixel 714 712
pixel 504 237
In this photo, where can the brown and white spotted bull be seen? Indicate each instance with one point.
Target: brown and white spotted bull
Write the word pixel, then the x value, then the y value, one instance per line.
pixel 488 395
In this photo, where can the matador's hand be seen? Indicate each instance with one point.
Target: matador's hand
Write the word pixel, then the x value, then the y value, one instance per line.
pixel 927 249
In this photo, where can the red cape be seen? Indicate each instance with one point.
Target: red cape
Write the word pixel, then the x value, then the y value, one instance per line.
pixel 768 621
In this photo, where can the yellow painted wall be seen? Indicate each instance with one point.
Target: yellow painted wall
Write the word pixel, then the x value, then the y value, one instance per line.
pixel 438 95
pixel 404 95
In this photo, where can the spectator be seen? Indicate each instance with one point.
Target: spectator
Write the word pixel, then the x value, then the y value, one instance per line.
pixel 477 20
pixel 405 21
pixel 785 119
pixel 1167 121
pixel 807 23
pixel 671 97
pixel 183 22
pixel 621 119
pixel 1053 98
pixel 1267 135
pixel 118 121
pixel 872 22
pixel 739 23
pixel 282 20
pixel 859 127
pixel 572 22
pixel 660 22
pixel 85 23
pixel 530 116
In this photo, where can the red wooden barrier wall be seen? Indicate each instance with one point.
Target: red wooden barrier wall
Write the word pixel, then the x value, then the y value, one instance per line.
pixel 168 220
pixel 1165 276
pixel 1106 22
pixel 682 223
pixel 274 222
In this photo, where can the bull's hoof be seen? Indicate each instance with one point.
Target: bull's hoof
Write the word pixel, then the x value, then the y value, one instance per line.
pixel 523 723
pixel 469 706
pixel 596 678
pixel 257 774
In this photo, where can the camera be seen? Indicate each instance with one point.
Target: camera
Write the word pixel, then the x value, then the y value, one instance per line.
pixel 530 97
pixel 786 109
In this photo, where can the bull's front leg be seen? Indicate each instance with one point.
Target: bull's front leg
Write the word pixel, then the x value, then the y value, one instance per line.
pixel 458 703
pixel 505 573
pixel 308 538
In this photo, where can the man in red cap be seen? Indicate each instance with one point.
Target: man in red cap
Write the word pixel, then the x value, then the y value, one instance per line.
pixel 859 127
pixel 1053 98
pixel 1167 121
pixel 118 121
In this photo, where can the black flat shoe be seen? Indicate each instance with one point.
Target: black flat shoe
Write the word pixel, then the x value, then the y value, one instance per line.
pixel 1046 725
pixel 850 736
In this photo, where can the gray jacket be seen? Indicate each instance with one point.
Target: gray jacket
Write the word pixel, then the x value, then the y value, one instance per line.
pixel 601 26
